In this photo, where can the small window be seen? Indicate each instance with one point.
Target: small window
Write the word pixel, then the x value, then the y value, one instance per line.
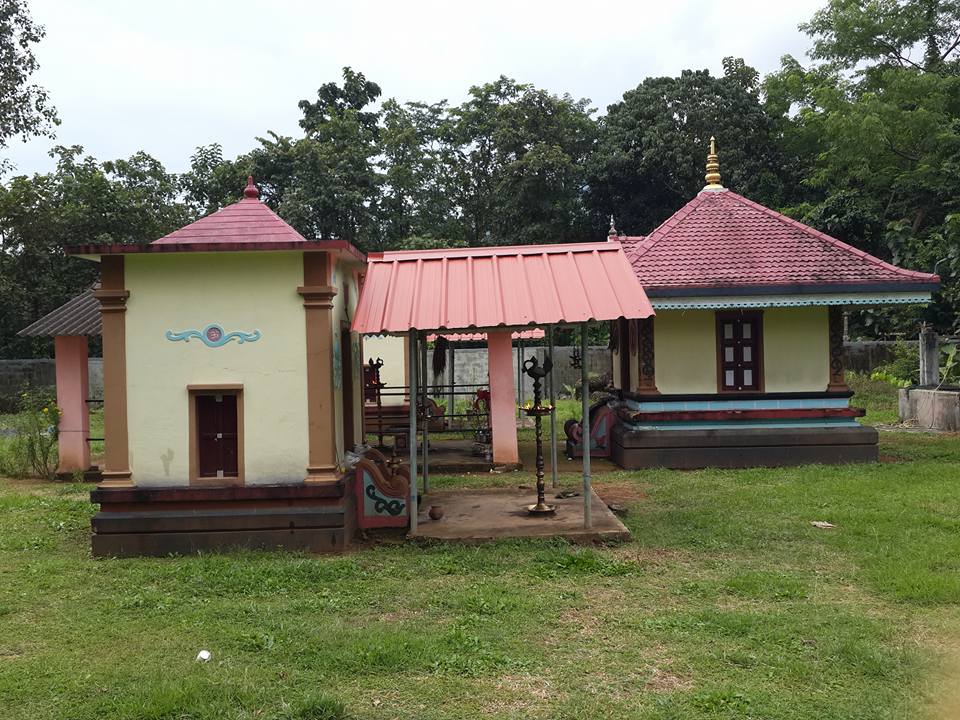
pixel 739 352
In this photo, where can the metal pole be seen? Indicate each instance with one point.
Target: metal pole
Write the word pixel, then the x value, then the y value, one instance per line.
pixel 452 404
pixel 424 391
pixel 585 425
pixel 551 388
pixel 520 388
pixel 412 436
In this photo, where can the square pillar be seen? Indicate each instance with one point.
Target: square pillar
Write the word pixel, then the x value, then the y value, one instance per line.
pixel 113 306
pixel 318 294
pixel 72 392
pixel 503 409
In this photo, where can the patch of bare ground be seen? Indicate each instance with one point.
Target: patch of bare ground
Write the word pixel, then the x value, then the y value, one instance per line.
pixel 520 693
pixel 649 555
pixel 33 486
pixel 662 681
pixel 943 688
pixel 620 493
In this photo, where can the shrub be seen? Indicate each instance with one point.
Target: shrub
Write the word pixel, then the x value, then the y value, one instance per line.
pixel 903 369
pixel 33 449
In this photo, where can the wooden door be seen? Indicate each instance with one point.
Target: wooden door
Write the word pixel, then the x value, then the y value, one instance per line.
pixel 217 436
pixel 739 352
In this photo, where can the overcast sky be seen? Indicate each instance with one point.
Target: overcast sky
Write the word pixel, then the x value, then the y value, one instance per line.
pixel 167 76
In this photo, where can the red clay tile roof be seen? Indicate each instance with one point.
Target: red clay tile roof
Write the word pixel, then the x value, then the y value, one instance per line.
pixel 721 241
pixel 244 226
pixel 247 221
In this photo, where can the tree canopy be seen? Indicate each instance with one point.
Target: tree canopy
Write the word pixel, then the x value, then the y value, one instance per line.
pixel 861 140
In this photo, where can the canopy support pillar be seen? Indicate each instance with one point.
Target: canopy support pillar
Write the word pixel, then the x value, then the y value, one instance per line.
pixel 72 393
pixel 585 397
pixel 552 389
pixel 413 366
pixel 503 421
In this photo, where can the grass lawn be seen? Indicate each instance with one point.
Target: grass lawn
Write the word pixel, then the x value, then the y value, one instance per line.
pixel 726 604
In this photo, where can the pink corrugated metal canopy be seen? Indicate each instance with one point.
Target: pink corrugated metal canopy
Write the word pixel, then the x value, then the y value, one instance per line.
pixel 498 287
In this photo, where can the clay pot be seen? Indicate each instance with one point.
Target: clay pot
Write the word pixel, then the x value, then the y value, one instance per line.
pixel 435 512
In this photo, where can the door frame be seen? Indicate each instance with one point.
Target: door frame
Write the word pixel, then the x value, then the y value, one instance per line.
pixel 754 316
pixel 213 389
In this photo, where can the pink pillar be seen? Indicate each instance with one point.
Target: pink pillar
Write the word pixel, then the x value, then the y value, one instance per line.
pixel 72 388
pixel 503 406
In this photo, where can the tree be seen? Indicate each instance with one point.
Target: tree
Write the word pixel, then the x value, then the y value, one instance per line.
pixel 212 182
pixel 517 163
pixel 653 145
pixel 415 158
pixel 25 108
pixel 81 202
pixel 881 134
pixel 921 35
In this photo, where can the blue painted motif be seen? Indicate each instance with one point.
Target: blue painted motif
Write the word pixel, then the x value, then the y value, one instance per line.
pixel 213 335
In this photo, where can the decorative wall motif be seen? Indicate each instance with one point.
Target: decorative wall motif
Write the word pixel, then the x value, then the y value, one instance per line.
pixel 213 335
pixel 837 379
pixel 648 379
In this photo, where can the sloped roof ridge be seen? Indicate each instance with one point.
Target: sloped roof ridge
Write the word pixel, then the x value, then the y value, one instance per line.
pixel 823 237
pixel 644 243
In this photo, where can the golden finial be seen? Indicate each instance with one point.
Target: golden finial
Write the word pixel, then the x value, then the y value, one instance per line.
pixel 713 167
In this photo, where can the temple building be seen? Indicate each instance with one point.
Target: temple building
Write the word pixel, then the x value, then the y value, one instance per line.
pixel 743 363
pixel 232 386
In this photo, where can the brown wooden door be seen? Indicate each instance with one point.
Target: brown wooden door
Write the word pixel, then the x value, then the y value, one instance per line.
pixel 739 350
pixel 217 436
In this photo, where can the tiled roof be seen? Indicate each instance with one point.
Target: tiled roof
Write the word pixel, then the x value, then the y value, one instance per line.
pixel 79 316
pixel 723 241
pixel 247 221
pixel 490 287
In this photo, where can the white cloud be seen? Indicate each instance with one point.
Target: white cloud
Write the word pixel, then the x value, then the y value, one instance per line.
pixel 166 77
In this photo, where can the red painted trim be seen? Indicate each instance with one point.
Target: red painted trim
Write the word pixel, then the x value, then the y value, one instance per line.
pixel 342 246
pixel 786 414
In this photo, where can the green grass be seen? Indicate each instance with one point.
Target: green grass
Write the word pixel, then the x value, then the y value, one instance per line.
pixel 877 397
pixel 726 604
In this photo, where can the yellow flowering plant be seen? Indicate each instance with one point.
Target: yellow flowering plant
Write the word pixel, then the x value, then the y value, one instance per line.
pixel 33 450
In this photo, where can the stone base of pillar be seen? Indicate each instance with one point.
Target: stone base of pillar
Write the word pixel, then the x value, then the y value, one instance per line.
pixel 116 479
pixel 321 475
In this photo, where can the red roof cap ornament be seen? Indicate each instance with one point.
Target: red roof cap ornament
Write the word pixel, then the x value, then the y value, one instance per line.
pixel 251 191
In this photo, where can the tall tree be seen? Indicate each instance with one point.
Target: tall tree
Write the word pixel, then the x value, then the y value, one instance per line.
pixel 653 146
pixel 518 163
pixel 414 158
pixel 878 118
pixel 82 201
pixel 25 108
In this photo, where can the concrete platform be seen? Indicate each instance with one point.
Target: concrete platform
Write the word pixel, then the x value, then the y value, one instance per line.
pixel 473 516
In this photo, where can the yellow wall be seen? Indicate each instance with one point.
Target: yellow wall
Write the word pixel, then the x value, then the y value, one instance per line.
pixel 685 351
pixel 240 291
pixel 796 348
